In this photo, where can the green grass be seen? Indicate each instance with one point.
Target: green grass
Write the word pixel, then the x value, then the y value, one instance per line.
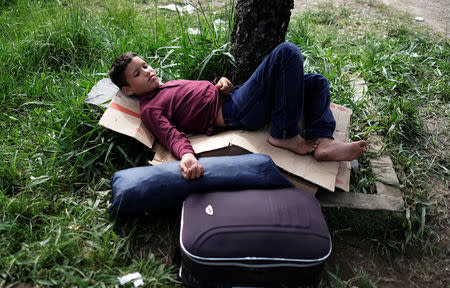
pixel 56 161
pixel 361 279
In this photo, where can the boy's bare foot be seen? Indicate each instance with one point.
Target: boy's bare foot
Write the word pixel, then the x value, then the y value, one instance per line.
pixel 331 150
pixel 296 144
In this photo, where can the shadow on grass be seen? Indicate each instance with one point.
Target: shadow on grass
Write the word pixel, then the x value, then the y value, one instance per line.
pixel 152 233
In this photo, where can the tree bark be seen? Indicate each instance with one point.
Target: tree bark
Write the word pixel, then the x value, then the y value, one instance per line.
pixel 259 26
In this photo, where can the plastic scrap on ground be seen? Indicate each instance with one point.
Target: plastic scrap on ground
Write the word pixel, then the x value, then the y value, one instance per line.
pixel 136 277
pixel 181 8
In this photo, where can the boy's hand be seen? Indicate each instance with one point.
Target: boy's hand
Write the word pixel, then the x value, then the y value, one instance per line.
pixel 224 85
pixel 190 167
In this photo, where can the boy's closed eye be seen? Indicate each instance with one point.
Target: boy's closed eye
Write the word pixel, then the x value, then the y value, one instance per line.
pixel 137 71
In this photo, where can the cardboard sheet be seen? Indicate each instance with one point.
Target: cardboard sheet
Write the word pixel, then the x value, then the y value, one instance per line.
pixel 342 116
pixel 122 115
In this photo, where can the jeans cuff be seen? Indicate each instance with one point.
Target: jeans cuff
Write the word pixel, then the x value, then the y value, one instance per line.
pixel 309 134
pixel 284 133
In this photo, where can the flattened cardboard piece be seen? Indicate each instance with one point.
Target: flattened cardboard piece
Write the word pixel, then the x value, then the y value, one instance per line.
pixel 328 175
pixel 322 174
pixel 300 183
pixel 161 154
pixel 123 116
pixel 343 176
pixel 202 143
pixel 342 116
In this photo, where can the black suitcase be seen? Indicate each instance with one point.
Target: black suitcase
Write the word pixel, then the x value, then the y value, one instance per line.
pixel 253 238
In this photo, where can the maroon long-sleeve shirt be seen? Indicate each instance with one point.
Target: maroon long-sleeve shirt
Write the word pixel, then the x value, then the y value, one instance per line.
pixel 180 105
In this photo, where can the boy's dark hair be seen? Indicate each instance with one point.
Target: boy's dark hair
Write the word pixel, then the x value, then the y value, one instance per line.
pixel 116 73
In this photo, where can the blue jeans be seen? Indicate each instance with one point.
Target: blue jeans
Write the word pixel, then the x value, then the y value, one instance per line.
pixel 279 91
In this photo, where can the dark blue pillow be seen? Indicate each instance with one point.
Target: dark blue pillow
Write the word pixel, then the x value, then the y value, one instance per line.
pixel 162 188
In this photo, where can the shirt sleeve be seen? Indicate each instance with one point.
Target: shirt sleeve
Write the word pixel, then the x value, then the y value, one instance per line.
pixel 167 133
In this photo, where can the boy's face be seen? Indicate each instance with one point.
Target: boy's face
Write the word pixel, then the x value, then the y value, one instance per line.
pixel 141 78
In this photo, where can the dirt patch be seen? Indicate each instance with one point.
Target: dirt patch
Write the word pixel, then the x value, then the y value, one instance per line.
pixel 435 13
pixel 351 257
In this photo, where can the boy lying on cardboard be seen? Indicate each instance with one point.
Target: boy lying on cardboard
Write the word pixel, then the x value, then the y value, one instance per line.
pixel 278 90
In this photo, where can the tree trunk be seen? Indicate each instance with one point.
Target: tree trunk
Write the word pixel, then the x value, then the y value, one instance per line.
pixel 259 26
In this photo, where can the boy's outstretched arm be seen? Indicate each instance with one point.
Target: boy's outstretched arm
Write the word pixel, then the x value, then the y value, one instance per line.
pixel 190 167
pixel 174 140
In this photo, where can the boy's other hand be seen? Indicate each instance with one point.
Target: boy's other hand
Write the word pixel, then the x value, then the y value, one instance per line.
pixel 224 85
pixel 190 167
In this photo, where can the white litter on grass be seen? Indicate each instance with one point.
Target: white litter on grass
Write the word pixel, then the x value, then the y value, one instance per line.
pixel 220 24
pixel 194 31
pixel 419 19
pixel 43 243
pixel 136 277
pixel 138 282
pixel 185 8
